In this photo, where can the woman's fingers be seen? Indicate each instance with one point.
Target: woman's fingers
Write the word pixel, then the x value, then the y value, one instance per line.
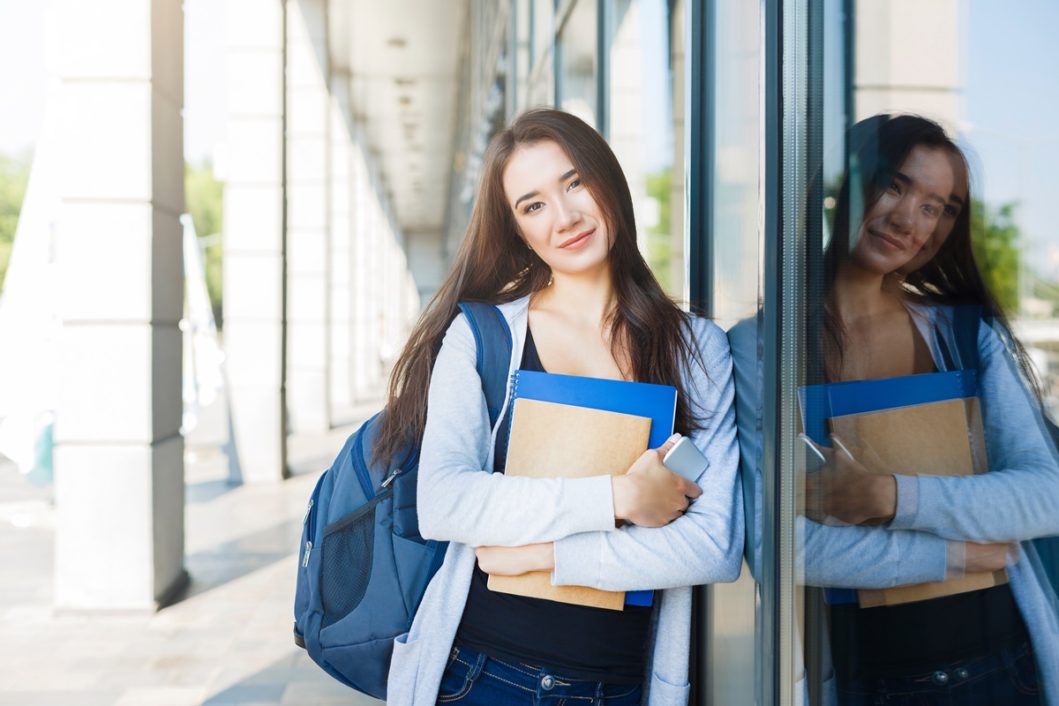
pixel 667 445
pixel 987 557
pixel 689 488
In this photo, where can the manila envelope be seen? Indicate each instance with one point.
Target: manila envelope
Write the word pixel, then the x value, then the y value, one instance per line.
pixel 939 438
pixel 550 440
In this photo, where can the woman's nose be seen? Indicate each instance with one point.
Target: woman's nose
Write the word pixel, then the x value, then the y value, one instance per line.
pixel 567 215
pixel 901 216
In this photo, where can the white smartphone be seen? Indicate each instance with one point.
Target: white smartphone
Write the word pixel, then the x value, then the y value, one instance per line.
pixel 686 460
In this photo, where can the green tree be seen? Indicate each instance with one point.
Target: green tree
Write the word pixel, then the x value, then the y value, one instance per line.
pixel 659 240
pixel 995 239
pixel 204 197
pixel 14 174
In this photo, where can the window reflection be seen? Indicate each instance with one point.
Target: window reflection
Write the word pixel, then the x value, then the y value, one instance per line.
pixel 641 125
pixel 926 572
pixel 576 71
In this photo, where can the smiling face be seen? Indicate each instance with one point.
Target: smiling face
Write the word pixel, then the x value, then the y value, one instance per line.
pixel 556 214
pixel 957 202
pixel 907 213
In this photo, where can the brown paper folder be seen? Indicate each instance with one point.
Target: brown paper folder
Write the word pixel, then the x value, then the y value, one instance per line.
pixel 940 439
pixel 550 440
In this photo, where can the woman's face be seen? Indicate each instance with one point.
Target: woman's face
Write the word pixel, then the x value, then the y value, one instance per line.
pixel 947 222
pixel 555 213
pixel 907 213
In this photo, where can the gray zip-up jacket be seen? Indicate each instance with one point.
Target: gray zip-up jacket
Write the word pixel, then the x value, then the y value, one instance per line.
pixel 460 500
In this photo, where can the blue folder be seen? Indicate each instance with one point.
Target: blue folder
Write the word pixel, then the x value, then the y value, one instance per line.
pixel 820 403
pixel 657 402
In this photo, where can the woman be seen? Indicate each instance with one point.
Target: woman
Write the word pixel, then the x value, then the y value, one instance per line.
pixel 895 278
pixel 552 241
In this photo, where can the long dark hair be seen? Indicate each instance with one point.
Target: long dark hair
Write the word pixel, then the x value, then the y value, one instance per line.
pixel 494 265
pixel 878 146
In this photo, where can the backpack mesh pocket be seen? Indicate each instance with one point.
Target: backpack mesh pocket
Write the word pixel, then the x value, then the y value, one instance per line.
pixel 345 566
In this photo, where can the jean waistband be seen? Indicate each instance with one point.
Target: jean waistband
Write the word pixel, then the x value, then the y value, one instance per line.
pixel 537 678
pixel 949 674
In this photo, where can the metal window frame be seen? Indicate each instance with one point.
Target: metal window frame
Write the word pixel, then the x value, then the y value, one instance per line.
pixel 699 104
pixel 699 151
pixel 793 156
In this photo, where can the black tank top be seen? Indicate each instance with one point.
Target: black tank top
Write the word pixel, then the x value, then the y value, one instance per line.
pixel 574 641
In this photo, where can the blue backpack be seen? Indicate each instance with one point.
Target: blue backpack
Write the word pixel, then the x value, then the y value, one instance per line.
pixel 363 566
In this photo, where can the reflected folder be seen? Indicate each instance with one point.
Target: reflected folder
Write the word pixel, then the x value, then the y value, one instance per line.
pixel 937 431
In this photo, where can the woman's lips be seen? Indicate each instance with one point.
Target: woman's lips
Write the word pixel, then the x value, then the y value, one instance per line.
pixel 888 240
pixel 577 241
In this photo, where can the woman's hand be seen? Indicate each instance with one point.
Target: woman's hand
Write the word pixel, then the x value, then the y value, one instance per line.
pixel 986 557
pixel 512 561
pixel 649 494
pixel 846 493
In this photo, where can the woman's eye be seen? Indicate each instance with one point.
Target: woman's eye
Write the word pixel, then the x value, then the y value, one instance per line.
pixel 951 211
pixel 930 210
pixel 535 206
pixel 573 184
pixel 895 186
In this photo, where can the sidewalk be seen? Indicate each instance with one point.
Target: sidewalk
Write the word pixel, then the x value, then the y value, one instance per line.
pixel 227 642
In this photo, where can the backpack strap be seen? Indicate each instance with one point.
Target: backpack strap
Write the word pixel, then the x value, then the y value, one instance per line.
pixel 492 338
pixel 965 322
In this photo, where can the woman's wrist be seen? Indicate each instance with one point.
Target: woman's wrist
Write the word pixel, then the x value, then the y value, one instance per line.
pixel 620 491
pixel 886 497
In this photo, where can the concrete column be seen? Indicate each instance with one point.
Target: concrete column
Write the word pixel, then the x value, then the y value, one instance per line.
pixel 890 77
pixel 377 236
pixel 341 260
pixel 308 215
pixel 254 248
pixel 364 356
pixel 119 482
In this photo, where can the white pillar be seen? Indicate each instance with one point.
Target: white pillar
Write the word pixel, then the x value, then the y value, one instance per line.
pixel 308 213
pixel 365 356
pixel 254 250
pixel 341 260
pixel 892 79
pixel 119 484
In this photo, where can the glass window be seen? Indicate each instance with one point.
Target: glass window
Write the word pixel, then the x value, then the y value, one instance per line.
pixel 576 71
pixel 898 310
pixel 733 185
pixel 642 121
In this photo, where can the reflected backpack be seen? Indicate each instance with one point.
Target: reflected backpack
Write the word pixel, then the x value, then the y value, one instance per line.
pixel 363 566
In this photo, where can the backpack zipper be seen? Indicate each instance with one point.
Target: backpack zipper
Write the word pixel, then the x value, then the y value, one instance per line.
pixel 389 479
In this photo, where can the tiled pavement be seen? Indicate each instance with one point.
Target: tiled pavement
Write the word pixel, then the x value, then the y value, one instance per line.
pixel 227 643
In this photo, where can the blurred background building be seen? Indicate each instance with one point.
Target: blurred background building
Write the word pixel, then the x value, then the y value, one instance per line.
pixel 327 153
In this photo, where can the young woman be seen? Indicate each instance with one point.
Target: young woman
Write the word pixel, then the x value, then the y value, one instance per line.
pixel 895 278
pixel 552 241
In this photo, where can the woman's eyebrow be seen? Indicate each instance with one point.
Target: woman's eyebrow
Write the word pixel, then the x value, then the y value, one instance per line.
pixel 522 198
pixel 531 194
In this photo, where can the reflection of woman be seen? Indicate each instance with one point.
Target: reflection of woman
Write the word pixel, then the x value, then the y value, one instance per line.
pixel 879 325
pixel 553 243
pixel 991 646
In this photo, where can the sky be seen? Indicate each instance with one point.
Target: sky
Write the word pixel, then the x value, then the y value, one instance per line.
pixel 1011 61
pixel 1010 66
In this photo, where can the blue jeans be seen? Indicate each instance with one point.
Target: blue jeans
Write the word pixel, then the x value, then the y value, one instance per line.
pixel 472 679
pixel 1008 677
